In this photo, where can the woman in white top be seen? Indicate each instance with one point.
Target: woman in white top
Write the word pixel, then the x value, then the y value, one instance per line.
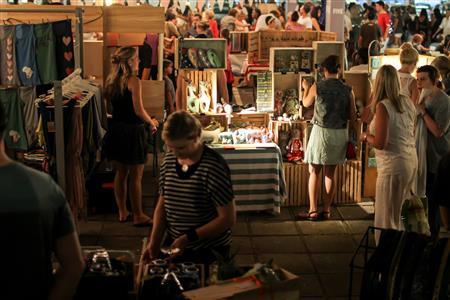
pixel 305 18
pixel 392 136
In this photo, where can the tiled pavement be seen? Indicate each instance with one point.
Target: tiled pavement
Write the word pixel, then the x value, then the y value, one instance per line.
pixel 319 252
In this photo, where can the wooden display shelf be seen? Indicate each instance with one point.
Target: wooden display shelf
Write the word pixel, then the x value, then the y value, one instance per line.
pixel 239 41
pixel 348 183
pixel 292 60
pixel 259 43
pixel 254 119
pixel 218 45
pixel 323 49
pixel 195 77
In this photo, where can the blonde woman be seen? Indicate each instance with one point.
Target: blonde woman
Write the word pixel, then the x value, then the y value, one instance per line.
pixel 392 136
pixel 125 143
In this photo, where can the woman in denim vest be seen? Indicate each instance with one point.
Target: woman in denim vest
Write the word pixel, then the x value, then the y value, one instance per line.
pixel 334 107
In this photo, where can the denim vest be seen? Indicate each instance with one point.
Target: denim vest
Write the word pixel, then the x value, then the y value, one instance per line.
pixel 331 109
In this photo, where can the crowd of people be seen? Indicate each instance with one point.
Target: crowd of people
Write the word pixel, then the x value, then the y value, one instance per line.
pixel 409 127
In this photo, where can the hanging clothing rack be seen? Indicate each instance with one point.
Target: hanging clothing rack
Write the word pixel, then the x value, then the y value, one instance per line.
pixel 58 94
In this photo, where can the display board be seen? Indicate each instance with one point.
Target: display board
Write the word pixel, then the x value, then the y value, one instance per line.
pixel 264 101
pixel 201 54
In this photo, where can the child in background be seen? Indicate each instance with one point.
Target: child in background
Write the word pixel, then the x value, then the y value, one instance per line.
pixel 417 41
pixel 169 88
pixel 408 84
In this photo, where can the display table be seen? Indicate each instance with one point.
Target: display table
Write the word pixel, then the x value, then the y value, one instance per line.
pixel 257 174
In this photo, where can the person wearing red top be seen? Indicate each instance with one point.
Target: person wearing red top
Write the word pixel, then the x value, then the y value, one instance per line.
pixel 384 19
pixel 212 24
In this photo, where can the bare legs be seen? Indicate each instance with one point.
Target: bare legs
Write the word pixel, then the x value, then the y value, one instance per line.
pixel 120 190
pixel 313 187
pixel 329 187
pixel 129 178
pixel 445 217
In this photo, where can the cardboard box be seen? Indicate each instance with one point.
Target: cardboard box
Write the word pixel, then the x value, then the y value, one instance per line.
pixel 248 289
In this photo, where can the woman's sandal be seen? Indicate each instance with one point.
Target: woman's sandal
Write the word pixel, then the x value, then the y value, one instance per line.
pixel 126 219
pixel 325 215
pixel 310 216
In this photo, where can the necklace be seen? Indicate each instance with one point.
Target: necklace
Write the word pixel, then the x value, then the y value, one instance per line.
pixel 184 168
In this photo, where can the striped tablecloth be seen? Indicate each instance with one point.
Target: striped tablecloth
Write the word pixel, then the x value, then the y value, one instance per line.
pixel 257 175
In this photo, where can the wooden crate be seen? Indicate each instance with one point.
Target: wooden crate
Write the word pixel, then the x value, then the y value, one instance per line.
pixel 153 98
pixel 194 77
pixel 323 49
pixel 239 41
pixel 278 126
pixel 291 60
pixel 348 183
pixel 327 36
pixel 93 54
pixel 259 43
pixel 237 119
pixel 254 119
pixel 218 45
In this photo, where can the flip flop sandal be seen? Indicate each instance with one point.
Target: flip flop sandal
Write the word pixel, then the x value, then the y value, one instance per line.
pixel 203 59
pixel 310 216
pixel 147 223
pixel 193 58
pixel 213 59
pixel 126 219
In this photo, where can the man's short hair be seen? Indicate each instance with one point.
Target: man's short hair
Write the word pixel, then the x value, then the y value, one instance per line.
pixel 432 72
pixel 409 56
pixel 233 12
pixel 2 121
pixel 363 55
pixel 198 15
pixel 170 16
pixel 371 15
pixel 166 63
pixel 380 3
pixel 307 7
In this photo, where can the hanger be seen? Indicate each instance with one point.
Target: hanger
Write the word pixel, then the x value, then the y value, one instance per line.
pixel 10 21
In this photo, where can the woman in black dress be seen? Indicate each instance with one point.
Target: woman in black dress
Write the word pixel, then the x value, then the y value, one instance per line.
pixel 126 140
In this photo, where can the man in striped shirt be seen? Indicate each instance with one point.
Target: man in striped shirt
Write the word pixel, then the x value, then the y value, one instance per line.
pixel 195 205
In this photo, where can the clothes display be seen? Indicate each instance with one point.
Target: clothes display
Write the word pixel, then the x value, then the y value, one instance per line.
pixel 65 59
pixel 45 52
pixel 8 69
pixel 27 95
pixel 83 133
pixel 26 55
pixel 31 54
pixel 15 137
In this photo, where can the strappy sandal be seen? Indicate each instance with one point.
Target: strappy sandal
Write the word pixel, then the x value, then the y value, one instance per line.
pixel 325 215
pixel 310 216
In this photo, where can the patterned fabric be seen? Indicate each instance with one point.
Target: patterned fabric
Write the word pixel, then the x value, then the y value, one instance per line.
pixel 191 197
pixel 257 176
pixel 26 55
pixel 15 137
pixel 8 70
pixel 65 60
